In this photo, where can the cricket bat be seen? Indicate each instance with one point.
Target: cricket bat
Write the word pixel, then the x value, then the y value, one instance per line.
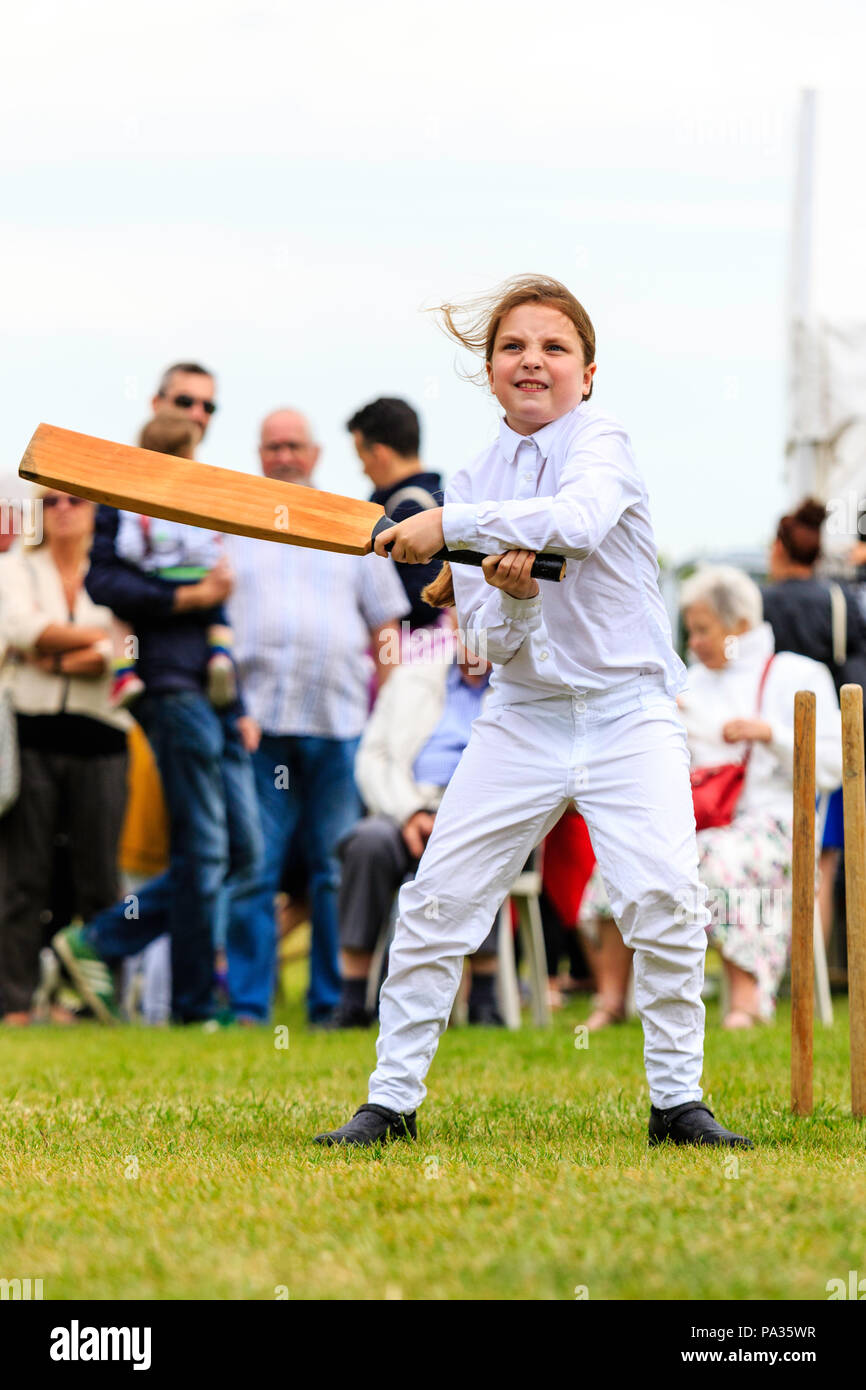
pixel 218 499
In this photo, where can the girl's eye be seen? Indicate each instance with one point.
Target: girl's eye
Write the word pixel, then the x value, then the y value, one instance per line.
pixel 558 346
pixel 506 346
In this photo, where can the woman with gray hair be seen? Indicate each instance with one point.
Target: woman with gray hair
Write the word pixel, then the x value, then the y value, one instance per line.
pixel 739 703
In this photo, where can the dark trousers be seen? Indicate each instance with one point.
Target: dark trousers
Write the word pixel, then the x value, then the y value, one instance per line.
pixel 216 847
pixel 375 862
pixel 83 797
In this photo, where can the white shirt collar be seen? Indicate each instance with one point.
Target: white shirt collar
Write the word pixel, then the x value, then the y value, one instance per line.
pixel 755 645
pixel 543 439
pixel 752 649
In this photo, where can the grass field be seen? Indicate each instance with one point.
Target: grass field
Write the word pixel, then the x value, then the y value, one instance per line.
pixel 177 1165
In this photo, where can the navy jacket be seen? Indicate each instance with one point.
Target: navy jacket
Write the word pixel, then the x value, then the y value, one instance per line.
pixel 799 612
pixel 172 647
pixel 399 503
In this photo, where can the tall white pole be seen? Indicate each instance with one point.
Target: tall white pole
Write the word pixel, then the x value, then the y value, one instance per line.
pixel 802 368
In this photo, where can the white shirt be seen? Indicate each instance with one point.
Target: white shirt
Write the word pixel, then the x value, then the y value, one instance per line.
pixel 31 598
pixel 572 488
pixel 715 696
pixel 302 621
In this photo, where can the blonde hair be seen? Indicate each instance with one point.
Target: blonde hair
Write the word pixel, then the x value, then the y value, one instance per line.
pixel 439 593
pixel 33 542
pixel 475 324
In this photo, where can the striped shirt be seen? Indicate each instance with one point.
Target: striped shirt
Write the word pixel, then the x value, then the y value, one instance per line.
pixel 302 621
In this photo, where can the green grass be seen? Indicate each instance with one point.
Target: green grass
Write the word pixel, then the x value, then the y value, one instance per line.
pixel 531 1176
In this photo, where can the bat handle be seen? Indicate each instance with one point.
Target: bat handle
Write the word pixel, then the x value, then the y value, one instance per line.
pixel 544 566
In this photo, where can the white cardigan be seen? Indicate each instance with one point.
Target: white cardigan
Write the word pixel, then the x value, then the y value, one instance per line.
pixel 31 598
pixel 711 698
pixel 408 708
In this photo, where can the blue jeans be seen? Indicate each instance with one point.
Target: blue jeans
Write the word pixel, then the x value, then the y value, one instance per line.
pixel 216 847
pixel 306 783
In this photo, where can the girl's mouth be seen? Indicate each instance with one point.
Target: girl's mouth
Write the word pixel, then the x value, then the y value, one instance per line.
pixel 531 386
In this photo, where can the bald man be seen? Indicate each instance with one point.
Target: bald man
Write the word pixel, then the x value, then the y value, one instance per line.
pixel 304 622
pixel 286 447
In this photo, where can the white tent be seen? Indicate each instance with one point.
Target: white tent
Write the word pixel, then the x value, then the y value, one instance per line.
pixel 826 447
pixel 826 444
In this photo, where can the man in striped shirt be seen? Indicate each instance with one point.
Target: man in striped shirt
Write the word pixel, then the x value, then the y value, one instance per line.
pixel 304 622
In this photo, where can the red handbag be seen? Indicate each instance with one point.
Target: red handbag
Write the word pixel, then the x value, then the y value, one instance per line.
pixel 716 790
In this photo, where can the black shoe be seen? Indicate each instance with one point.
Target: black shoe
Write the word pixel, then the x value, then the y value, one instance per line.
pixel 347 1016
pixel 322 1023
pixel 372 1124
pixel 692 1123
pixel 487 1015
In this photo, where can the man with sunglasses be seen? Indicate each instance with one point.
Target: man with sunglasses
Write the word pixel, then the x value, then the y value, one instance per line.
pixel 190 387
pixel 203 759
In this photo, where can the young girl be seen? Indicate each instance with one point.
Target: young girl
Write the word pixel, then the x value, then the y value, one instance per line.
pixel 582 711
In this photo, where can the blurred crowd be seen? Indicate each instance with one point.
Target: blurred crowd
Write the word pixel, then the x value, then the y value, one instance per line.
pixel 217 752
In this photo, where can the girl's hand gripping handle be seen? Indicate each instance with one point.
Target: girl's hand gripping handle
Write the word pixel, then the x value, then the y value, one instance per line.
pixel 545 566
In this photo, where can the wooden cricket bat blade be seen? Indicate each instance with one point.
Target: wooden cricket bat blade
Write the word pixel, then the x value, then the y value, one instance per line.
pixel 176 489
pixel 218 499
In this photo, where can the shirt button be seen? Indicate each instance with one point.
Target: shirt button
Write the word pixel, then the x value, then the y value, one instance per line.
pixel 529 477
pixel 542 656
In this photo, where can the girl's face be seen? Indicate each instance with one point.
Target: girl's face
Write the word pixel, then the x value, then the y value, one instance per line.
pixel 537 371
pixel 708 636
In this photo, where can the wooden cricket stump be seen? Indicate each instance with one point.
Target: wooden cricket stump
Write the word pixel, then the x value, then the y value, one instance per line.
pixel 803 870
pixel 854 801
pixel 803 905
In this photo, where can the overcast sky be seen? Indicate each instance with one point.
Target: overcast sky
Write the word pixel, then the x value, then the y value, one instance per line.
pixel 280 193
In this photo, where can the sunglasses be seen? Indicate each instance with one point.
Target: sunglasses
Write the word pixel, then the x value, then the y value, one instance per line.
pixel 184 402
pixel 54 499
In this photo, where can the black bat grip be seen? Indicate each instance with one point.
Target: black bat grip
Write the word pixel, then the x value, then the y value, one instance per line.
pixel 544 566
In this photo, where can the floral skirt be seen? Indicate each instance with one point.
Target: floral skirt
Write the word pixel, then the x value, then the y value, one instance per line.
pixel 746 867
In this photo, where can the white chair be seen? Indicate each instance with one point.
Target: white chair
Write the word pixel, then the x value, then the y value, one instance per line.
pixel 524 894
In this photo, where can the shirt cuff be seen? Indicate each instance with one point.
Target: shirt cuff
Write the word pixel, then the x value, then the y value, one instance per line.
pixel 519 607
pixel 459 526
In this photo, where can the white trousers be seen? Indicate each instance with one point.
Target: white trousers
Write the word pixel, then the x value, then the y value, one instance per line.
pixel 620 755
